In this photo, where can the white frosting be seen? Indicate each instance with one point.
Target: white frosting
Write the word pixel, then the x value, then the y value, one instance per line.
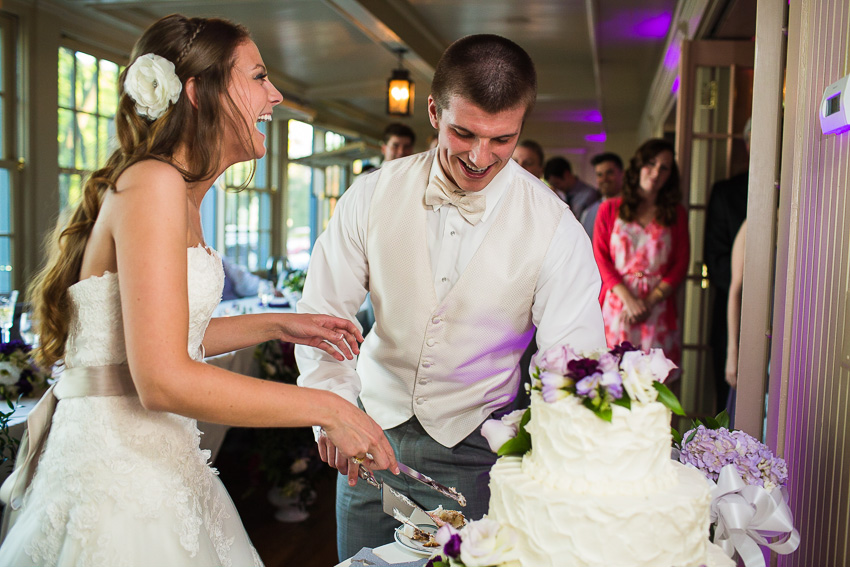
pixel 576 451
pixel 593 493
pixel 557 527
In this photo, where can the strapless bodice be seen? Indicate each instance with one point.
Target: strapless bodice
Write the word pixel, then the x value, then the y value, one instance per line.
pixel 96 333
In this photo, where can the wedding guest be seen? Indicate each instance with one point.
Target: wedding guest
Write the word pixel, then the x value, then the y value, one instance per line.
pixel 398 141
pixel 736 290
pixel 125 302
pixel 464 253
pixel 529 154
pixel 642 248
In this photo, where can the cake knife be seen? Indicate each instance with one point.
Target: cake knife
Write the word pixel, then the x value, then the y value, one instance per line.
pixel 449 492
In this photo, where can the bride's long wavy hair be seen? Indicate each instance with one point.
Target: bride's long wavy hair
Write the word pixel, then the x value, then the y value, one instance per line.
pixel 203 48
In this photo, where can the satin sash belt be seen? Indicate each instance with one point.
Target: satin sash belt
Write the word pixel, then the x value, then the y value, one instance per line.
pixel 113 380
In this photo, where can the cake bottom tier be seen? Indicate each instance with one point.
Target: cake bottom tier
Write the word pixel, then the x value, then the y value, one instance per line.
pixel 665 529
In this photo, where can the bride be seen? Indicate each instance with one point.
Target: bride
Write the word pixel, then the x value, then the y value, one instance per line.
pixel 125 301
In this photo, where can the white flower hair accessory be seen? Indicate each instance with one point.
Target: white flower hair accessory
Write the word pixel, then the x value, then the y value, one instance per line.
pixel 152 83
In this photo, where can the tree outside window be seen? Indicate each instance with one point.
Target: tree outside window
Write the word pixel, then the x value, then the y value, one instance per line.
pixel 88 98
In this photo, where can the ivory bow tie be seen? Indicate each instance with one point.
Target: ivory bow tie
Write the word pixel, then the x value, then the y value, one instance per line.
pixel 470 205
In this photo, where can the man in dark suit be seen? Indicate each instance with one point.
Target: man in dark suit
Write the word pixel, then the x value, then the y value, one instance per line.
pixel 727 209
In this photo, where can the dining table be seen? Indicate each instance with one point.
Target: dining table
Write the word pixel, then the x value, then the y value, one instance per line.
pixel 392 553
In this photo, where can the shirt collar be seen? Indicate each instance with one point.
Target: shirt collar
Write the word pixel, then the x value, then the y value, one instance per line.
pixel 494 190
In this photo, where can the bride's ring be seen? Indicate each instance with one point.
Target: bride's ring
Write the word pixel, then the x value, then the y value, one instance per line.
pixel 356 460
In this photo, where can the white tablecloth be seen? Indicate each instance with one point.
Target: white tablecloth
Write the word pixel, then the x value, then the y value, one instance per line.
pixel 391 553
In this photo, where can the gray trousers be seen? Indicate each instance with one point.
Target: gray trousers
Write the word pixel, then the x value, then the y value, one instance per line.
pixel 360 519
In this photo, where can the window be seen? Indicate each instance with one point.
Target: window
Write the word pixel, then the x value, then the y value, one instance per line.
pixel 7 153
pixel 88 98
pixel 299 197
pixel 248 212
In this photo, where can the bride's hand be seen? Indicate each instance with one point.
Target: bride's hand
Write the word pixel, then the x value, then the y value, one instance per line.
pixel 322 331
pixel 355 434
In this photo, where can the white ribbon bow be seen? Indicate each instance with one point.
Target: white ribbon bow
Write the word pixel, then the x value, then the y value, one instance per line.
pixel 470 205
pixel 749 516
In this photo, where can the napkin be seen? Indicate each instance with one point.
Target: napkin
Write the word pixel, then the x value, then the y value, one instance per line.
pixel 365 557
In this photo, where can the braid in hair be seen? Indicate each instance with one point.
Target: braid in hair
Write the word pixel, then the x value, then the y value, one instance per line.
pixel 198 27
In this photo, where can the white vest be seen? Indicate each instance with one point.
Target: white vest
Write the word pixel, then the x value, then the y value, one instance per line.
pixel 452 363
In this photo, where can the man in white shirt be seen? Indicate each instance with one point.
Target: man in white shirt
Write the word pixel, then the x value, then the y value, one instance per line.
pixel 464 253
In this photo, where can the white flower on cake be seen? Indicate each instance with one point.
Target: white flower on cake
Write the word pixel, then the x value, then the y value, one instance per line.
pixel 485 543
pixel 641 370
pixel 152 84
pixel 500 431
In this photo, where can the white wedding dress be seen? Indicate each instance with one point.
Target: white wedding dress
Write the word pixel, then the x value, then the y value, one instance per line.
pixel 118 484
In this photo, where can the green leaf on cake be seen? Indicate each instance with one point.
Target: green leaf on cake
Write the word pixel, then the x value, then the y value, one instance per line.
pixel 602 411
pixel 625 401
pixel 521 444
pixel 668 398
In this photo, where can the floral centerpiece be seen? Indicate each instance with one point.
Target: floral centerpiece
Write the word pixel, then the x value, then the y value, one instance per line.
pixel 600 379
pixel 483 543
pixel 19 375
pixel 749 501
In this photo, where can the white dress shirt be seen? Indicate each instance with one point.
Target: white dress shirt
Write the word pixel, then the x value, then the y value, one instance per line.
pixel 565 309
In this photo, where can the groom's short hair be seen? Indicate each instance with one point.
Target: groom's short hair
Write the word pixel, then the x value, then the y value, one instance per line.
pixel 487 70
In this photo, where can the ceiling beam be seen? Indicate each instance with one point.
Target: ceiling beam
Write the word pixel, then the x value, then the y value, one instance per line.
pixel 590 8
pixel 394 25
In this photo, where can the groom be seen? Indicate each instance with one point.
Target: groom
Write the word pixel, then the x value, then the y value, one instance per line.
pixel 464 253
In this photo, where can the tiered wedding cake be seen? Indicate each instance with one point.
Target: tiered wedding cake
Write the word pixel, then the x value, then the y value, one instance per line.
pixel 593 493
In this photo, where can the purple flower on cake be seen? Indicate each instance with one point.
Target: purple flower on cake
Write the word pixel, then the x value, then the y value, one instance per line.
pixel 582 368
pixel 448 537
pixel 604 378
pixel 553 386
pixel 500 431
pixel 484 543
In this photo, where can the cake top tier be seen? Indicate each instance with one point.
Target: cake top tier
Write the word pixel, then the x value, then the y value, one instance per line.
pixel 580 453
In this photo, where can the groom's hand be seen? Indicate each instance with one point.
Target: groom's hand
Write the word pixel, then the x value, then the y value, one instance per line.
pixel 329 454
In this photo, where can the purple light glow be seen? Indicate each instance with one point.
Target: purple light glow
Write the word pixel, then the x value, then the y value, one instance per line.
pixel 654 27
pixel 601 137
pixel 636 25
pixel 674 88
pixel 671 58
pixel 591 116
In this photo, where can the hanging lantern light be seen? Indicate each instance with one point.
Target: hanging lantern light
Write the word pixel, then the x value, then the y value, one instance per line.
pixel 400 90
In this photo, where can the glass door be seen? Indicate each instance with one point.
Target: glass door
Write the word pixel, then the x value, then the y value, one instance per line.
pixel 714 105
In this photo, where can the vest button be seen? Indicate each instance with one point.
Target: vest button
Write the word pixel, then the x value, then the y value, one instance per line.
pixel 423 381
pixel 426 365
pixel 435 320
pixel 430 342
pixel 420 401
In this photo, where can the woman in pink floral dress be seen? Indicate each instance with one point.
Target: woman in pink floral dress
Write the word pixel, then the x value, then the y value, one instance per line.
pixel 641 245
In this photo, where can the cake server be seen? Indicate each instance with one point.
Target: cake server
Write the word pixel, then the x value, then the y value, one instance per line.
pixel 395 503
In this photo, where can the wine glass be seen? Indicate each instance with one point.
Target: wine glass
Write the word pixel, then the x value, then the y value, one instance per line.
pixel 27 327
pixel 7 314
pixel 265 291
